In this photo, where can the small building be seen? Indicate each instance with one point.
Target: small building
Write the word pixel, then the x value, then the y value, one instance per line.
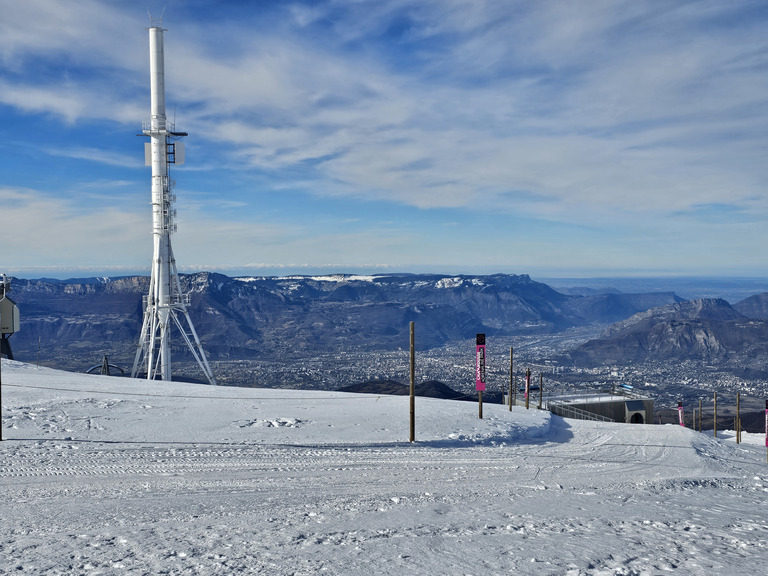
pixel 623 406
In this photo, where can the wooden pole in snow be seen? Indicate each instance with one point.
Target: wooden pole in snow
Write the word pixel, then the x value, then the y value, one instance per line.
pixel 738 417
pixel 527 388
pixel 699 414
pixel 541 388
pixel 514 389
pixel 480 404
pixel 413 381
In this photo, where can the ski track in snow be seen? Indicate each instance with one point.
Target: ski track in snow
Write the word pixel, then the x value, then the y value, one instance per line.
pixel 185 479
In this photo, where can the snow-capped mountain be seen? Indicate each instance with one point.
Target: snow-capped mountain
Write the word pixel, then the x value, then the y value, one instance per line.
pixel 73 323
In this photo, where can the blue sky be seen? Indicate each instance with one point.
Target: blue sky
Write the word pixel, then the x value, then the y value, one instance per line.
pixel 551 137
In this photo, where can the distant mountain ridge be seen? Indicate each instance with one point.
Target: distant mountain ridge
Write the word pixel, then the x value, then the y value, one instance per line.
pixel 754 307
pixel 72 323
pixel 702 309
pixel 705 329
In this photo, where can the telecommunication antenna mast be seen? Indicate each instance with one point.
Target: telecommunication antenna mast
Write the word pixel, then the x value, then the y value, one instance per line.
pixel 165 304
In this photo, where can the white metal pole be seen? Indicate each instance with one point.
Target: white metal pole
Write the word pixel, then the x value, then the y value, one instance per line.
pixel 160 195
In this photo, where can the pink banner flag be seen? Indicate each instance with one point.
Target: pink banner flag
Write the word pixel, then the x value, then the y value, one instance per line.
pixel 480 363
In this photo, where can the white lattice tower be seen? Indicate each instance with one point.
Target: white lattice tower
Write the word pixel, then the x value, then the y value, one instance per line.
pixel 166 305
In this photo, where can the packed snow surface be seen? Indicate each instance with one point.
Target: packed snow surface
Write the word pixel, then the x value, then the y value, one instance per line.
pixel 107 475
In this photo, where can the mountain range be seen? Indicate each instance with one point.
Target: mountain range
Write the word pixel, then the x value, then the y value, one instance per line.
pixel 260 317
pixel 72 323
pixel 708 330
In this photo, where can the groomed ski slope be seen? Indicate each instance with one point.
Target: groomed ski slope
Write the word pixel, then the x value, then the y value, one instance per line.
pixel 105 475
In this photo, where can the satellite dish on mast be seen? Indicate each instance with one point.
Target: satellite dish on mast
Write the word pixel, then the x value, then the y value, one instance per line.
pixel 105 368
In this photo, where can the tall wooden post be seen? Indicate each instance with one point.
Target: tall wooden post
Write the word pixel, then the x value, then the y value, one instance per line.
pixel 527 388
pixel 514 389
pixel 413 381
pixel 511 376
pixel 699 413
pixel 541 388
pixel 715 424
pixel 738 418
pixel 480 404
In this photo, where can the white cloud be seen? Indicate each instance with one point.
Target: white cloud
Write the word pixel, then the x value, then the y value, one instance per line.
pixel 79 32
pixel 433 142
pixel 99 155
pixel 633 113
pixel 38 226
pixel 64 103
pixel 552 99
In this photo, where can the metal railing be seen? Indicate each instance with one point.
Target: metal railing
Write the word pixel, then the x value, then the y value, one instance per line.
pixel 568 411
pixel 162 126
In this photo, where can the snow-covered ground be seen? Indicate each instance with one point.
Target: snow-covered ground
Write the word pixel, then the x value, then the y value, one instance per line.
pixel 104 475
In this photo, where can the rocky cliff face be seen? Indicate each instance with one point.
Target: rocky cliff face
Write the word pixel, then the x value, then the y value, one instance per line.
pixel 709 330
pixel 75 322
pixel 754 307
